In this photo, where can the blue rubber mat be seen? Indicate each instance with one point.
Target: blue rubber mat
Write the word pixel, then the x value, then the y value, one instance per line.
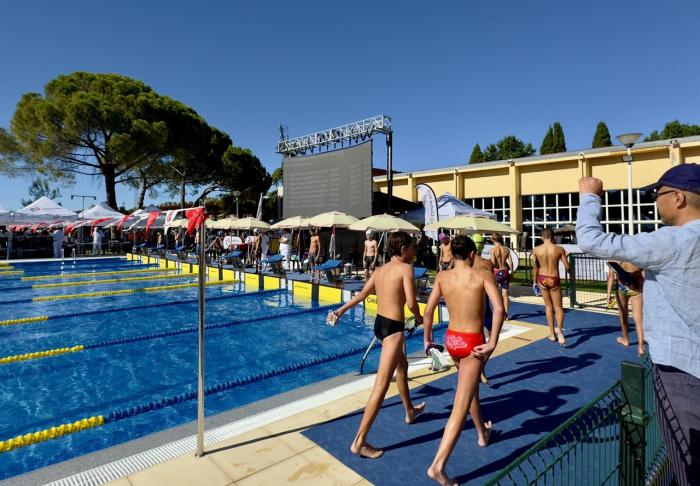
pixel 534 389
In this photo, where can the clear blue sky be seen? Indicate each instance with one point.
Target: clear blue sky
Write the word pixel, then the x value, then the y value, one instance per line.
pixel 450 74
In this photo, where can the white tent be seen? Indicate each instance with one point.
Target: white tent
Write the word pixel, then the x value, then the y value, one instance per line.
pixel 43 210
pixel 4 216
pixel 448 207
pixel 139 218
pixel 100 211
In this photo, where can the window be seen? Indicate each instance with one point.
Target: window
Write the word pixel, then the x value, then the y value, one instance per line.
pixel 498 205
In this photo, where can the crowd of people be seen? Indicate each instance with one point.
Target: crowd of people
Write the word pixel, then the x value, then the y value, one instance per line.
pixel 663 265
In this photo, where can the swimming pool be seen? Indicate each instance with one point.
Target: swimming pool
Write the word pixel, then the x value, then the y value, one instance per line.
pixel 138 365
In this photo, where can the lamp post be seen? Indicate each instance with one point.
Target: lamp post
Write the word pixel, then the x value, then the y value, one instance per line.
pixel 628 140
pixel 236 194
pixel 83 197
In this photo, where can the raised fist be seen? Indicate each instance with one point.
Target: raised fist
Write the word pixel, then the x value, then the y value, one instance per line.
pixel 590 184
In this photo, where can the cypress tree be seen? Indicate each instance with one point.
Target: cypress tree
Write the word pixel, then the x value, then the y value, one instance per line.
pixel 602 136
pixel 476 156
pixel 546 147
pixel 558 142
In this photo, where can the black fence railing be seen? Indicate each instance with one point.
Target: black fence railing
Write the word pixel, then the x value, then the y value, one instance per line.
pixel 588 285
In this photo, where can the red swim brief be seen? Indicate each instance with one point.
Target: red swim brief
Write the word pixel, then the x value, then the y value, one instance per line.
pixel 547 282
pixel 461 344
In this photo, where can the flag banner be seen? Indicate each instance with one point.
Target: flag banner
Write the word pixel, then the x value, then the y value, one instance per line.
pixel 195 218
pixel 427 197
pixel 169 218
pixel 152 216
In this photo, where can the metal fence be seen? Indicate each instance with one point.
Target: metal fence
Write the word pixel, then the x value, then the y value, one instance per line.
pixel 613 440
pixel 588 285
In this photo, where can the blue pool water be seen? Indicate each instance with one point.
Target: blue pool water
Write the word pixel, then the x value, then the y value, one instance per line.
pixel 42 393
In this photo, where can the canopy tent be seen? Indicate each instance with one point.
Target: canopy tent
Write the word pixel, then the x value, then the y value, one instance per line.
pixel 472 225
pixel 43 210
pixel 4 215
pixel 448 207
pixel 100 211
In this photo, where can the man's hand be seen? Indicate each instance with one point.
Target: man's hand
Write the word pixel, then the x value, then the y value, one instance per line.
pixel 590 185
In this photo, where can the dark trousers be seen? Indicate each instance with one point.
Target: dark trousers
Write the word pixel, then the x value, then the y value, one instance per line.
pixel 678 412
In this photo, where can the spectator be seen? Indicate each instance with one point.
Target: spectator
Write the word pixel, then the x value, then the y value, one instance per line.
pixel 670 258
pixel 57 242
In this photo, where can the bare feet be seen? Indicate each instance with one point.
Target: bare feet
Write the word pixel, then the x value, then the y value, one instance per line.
pixel 623 341
pixel 413 414
pixel 551 337
pixel 484 379
pixel 488 428
pixel 366 450
pixel 560 338
pixel 440 477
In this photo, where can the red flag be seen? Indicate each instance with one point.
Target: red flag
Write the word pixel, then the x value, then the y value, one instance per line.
pixel 95 222
pixel 122 221
pixel 195 217
pixel 152 216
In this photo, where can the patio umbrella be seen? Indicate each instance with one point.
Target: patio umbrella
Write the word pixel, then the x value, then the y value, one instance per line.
pixel 333 220
pixel 383 223
pixel 473 225
pixel 249 224
pixel 295 222
pixel 224 223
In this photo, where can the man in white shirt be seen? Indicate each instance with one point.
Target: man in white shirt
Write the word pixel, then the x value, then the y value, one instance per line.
pixel 286 248
pixel 228 242
pixel 96 241
pixel 57 242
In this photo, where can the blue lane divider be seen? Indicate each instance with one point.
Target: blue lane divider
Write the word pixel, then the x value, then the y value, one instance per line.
pixel 159 304
pixel 220 325
pixel 228 385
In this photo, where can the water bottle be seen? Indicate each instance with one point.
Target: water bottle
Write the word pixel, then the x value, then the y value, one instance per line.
pixel 537 290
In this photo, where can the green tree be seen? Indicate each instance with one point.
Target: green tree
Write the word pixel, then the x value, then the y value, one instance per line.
pixel 278 176
pixel 546 147
pixel 476 155
pixel 104 125
pixel 38 188
pixel 558 142
pixel 601 138
pixel 674 129
pixel 509 147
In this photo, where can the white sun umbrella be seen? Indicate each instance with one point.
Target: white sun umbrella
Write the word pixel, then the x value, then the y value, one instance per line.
pixel 249 224
pixel 333 220
pixel 224 224
pixel 472 224
pixel 384 223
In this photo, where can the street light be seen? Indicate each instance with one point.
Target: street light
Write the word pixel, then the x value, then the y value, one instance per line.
pixel 80 229
pixel 236 194
pixel 628 140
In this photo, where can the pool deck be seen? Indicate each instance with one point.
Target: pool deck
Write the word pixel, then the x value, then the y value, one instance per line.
pixel 279 453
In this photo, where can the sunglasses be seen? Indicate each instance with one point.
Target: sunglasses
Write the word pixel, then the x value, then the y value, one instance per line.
pixel 657 195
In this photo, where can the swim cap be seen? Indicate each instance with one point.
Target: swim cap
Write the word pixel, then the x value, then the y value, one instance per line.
pixel 478 240
pixel 442 236
pixel 368 232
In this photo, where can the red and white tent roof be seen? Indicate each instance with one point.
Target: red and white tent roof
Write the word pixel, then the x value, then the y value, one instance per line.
pixel 43 210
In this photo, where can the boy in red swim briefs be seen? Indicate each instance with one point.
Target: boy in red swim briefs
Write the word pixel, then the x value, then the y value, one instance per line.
pixel 463 289
pixel 545 274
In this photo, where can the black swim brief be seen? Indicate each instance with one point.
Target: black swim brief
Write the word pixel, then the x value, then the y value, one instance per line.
pixel 368 261
pixel 384 327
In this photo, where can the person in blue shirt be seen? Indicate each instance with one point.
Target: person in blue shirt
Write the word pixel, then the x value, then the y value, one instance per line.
pixel 670 258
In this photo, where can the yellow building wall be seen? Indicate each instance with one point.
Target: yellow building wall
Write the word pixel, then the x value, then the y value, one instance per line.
pixel 691 155
pixel 401 189
pixel 441 183
pixel 549 178
pixel 484 183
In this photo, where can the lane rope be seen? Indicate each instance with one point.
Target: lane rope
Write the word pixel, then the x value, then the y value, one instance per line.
pixel 98 420
pixel 94 274
pixel 29 320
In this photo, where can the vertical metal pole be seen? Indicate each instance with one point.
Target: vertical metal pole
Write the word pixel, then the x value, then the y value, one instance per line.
pixel 9 237
pixel 200 364
pixel 389 169
pixel 629 191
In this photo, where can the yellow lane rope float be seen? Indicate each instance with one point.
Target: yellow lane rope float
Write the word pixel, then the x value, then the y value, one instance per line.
pixel 105 293
pixel 92 274
pixel 10 273
pixel 24 320
pixel 40 354
pixel 52 433
pixel 108 281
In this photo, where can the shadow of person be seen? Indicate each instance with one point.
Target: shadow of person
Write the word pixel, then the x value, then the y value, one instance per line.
pixel 538 367
pixel 581 335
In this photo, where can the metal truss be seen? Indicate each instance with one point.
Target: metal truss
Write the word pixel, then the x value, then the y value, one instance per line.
pixel 353 132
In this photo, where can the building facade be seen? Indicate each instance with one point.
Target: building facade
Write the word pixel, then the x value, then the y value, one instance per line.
pixel 532 193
